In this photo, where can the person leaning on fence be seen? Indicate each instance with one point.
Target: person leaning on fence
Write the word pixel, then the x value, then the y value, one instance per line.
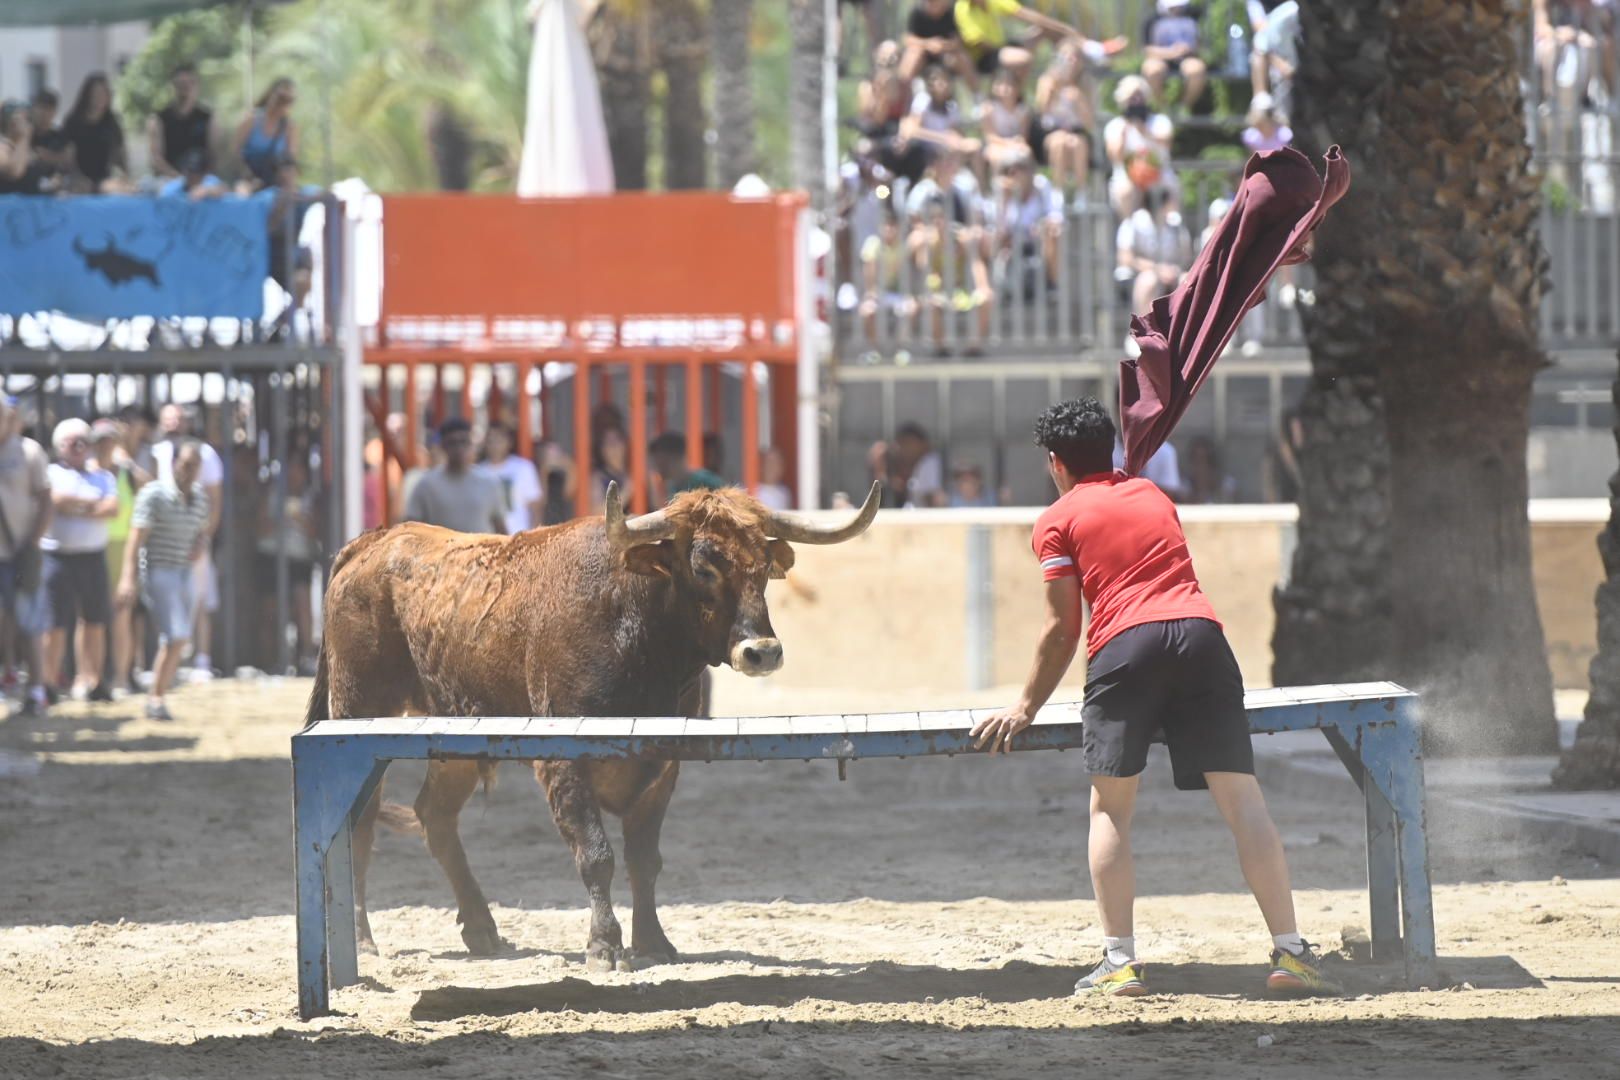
pixel 1157 659
pixel 184 126
pixel 455 495
pixel 84 498
pixel 25 514
pixel 169 529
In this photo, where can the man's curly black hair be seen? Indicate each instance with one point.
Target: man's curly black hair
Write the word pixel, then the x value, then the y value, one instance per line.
pixel 1080 433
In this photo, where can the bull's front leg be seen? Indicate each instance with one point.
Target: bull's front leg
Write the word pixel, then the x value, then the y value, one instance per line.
pixel 579 820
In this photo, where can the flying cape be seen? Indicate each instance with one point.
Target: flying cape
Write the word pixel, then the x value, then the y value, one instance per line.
pixel 1279 203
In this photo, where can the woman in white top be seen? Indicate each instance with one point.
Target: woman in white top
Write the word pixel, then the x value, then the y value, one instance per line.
pixel 1155 247
pixel 1138 145
pixel 1004 119
pixel 1065 122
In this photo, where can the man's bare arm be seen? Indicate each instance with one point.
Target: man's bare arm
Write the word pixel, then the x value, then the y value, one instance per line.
pixel 1060 637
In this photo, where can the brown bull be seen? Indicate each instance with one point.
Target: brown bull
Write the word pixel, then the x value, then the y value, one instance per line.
pixel 598 617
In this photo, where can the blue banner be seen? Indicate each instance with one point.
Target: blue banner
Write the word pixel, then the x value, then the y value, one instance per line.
pixel 123 256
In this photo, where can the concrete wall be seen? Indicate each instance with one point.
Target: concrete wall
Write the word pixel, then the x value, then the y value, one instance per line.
pixel 892 609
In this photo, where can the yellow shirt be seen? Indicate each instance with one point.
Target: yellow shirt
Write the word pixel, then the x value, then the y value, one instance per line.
pixel 980 24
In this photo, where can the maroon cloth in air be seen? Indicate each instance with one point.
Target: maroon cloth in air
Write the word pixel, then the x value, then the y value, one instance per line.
pixel 1278 204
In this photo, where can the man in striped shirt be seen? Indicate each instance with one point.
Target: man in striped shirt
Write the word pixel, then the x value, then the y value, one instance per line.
pixel 166 532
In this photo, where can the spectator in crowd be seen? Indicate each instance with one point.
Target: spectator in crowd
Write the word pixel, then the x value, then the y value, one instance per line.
pixel 1061 138
pixel 883 275
pixel 454 494
pixel 1138 147
pixel 1170 42
pixel 772 490
pixel 84 498
pixel 52 152
pixel 918 467
pixel 120 448
pixel 16 150
pixel 979 23
pixel 169 532
pixel 871 18
pixel 561 479
pixel 936 120
pixel 1281 478
pixel 610 458
pixel 291 263
pixel 714 453
pixel 1266 129
pixel 267 136
pixel 863 184
pixel 1005 119
pixel 1206 482
pixel 194 182
pixel 100 158
pixel 175 427
pixel 931 37
pixel 1027 216
pixel 947 243
pixel 183 127
pixel 1571 38
pixel 967 488
pixel 882 104
pixel 1163 468
pixel 1276 52
pixel 520 480
pixel 667 456
pixel 293 534
pixel 1153 249
pixel 25 515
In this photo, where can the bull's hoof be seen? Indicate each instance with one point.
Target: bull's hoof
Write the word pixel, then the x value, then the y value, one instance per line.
pixel 646 958
pixel 605 958
pixel 368 947
pixel 483 940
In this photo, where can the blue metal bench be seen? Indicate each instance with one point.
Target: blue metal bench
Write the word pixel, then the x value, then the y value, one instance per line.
pixel 338 763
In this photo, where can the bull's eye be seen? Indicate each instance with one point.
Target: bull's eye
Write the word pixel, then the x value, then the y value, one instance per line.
pixel 707 575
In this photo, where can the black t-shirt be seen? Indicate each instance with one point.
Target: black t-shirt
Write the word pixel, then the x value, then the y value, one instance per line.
pixel 184 132
pixel 95 144
pixel 923 25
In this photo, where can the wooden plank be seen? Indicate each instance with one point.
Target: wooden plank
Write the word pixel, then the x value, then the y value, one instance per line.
pixel 720 727
pixel 552 725
pixel 817 725
pixel 501 725
pixel 761 725
pixel 605 727
pixel 894 721
pixel 658 727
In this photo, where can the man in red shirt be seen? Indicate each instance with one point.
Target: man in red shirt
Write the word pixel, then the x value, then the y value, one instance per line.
pixel 1156 660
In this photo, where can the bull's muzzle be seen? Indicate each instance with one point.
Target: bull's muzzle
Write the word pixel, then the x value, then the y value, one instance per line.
pixel 757 656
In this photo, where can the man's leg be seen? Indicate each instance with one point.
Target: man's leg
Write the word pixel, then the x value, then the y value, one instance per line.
pixel 1108 848
pixel 91 653
pixel 1260 852
pixel 163 668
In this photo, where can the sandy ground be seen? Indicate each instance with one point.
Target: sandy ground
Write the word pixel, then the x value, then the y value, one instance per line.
pixel 927 918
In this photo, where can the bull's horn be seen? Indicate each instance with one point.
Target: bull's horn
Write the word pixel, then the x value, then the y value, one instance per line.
pixel 646 529
pixel 787 527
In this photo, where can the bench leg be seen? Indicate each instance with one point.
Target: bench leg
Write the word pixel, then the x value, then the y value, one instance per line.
pixel 1383 875
pixel 342 957
pixel 1393 756
pixel 328 787
pixel 310 866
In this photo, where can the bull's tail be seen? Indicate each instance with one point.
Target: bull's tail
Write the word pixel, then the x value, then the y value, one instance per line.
pixel 399 818
pixel 319 702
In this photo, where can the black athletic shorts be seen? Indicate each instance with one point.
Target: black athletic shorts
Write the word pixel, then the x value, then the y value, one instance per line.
pixel 1179 678
pixel 78 588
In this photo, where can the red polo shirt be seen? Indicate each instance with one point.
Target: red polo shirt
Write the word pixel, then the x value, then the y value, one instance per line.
pixel 1122 536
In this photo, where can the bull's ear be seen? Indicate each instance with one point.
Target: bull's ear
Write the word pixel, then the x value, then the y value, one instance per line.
pixel 781 558
pixel 651 560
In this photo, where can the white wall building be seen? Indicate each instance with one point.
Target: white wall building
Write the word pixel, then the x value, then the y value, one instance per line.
pixel 59 57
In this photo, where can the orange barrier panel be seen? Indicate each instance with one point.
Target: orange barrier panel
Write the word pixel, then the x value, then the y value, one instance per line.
pixel 693 279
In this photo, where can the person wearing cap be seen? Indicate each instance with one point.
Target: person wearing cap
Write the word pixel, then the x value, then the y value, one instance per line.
pixel 25 514
pixel 455 495
pixel 84 498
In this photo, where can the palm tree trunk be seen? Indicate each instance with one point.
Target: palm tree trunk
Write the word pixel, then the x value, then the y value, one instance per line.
pixel 1457 284
pixel 808 29
pixel 730 25
pixel 682 53
pixel 1594 760
pixel 452 147
pixel 1334 616
pixel 618 47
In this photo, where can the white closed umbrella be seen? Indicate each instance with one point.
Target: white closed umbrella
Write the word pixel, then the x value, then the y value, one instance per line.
pixel 565 147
